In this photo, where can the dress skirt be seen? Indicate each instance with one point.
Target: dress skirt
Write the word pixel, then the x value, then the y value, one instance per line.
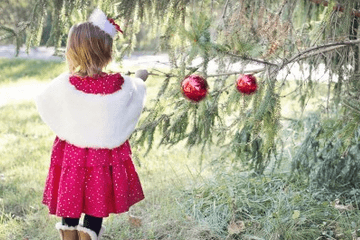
pixel 95 182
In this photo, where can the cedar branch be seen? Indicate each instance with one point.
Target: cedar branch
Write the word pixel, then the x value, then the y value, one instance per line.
pixel 246 58
pixel 253 71
pixel 234 73
pixel 8 29
pixel 319 49
pixel 300 56
pixel 6 36
pixel 349 106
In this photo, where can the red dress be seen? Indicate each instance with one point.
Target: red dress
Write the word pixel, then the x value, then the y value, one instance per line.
pixel 96 182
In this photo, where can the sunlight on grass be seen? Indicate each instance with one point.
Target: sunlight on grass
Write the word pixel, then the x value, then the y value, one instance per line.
pixel 14 70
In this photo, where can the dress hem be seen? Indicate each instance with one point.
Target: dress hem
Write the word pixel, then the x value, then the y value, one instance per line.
pixel 123 211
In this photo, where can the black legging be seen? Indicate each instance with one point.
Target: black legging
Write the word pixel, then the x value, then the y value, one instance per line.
pixel 93 223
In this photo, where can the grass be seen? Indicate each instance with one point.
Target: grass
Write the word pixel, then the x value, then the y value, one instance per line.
pixel 270 208
pixel 15 70
pixel 182 200
pixel 25 149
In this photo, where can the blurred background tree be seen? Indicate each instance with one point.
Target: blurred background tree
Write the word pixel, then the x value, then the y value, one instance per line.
pixel 273 34
pixel 14 19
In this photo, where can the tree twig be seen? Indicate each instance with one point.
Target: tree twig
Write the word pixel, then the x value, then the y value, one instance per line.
pixel 154 123
pixel 150 73
pixel 224 10
pixel 234 73
pixel 302 55
pixel 282 7
pixel 321 49
pixel 6 36
pixel 8 29
pixel 349 106
pixel 252 59
pixel 313 51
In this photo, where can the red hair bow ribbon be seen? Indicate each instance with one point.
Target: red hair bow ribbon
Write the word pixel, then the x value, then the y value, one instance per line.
pixel 116 26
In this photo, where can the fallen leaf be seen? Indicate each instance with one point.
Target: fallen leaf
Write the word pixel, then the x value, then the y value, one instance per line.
pixel 296 214
pixel 236 227
pixel 134 221
pixel 343 207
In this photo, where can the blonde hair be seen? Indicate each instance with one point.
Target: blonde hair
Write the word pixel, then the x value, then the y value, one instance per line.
pixel 88 50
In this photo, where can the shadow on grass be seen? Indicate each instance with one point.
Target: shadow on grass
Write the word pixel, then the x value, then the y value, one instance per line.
pixel 12 70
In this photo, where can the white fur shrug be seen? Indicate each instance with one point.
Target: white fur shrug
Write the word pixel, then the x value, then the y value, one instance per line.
pixel 91 120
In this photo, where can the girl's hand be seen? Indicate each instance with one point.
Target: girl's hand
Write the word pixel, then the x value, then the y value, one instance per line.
pixel 142 73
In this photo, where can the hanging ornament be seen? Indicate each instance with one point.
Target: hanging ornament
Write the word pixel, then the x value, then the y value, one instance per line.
pixel 194 87
pixel 246 84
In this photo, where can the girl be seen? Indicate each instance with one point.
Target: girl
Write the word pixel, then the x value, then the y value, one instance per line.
pixel 93 114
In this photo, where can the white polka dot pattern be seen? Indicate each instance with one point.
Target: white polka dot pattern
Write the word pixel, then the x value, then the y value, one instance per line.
pixel 96 182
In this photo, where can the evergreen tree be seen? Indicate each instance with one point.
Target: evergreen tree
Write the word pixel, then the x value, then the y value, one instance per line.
pixel 275 34
pixel 14 19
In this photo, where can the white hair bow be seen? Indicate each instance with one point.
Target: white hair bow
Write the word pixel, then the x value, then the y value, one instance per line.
pixel 98 18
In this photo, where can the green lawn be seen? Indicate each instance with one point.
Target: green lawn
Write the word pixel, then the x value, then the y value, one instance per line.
pixel 25 147
pixel 182 200
pixel 20 69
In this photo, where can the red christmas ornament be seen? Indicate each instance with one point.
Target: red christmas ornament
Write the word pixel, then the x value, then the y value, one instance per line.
pixel 194 87
pixel 246 84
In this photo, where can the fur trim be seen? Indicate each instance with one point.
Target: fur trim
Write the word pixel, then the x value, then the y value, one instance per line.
pixel 98 18
pixel 102 230
pixel 59 226
pixel 92 234
pixel 91 120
